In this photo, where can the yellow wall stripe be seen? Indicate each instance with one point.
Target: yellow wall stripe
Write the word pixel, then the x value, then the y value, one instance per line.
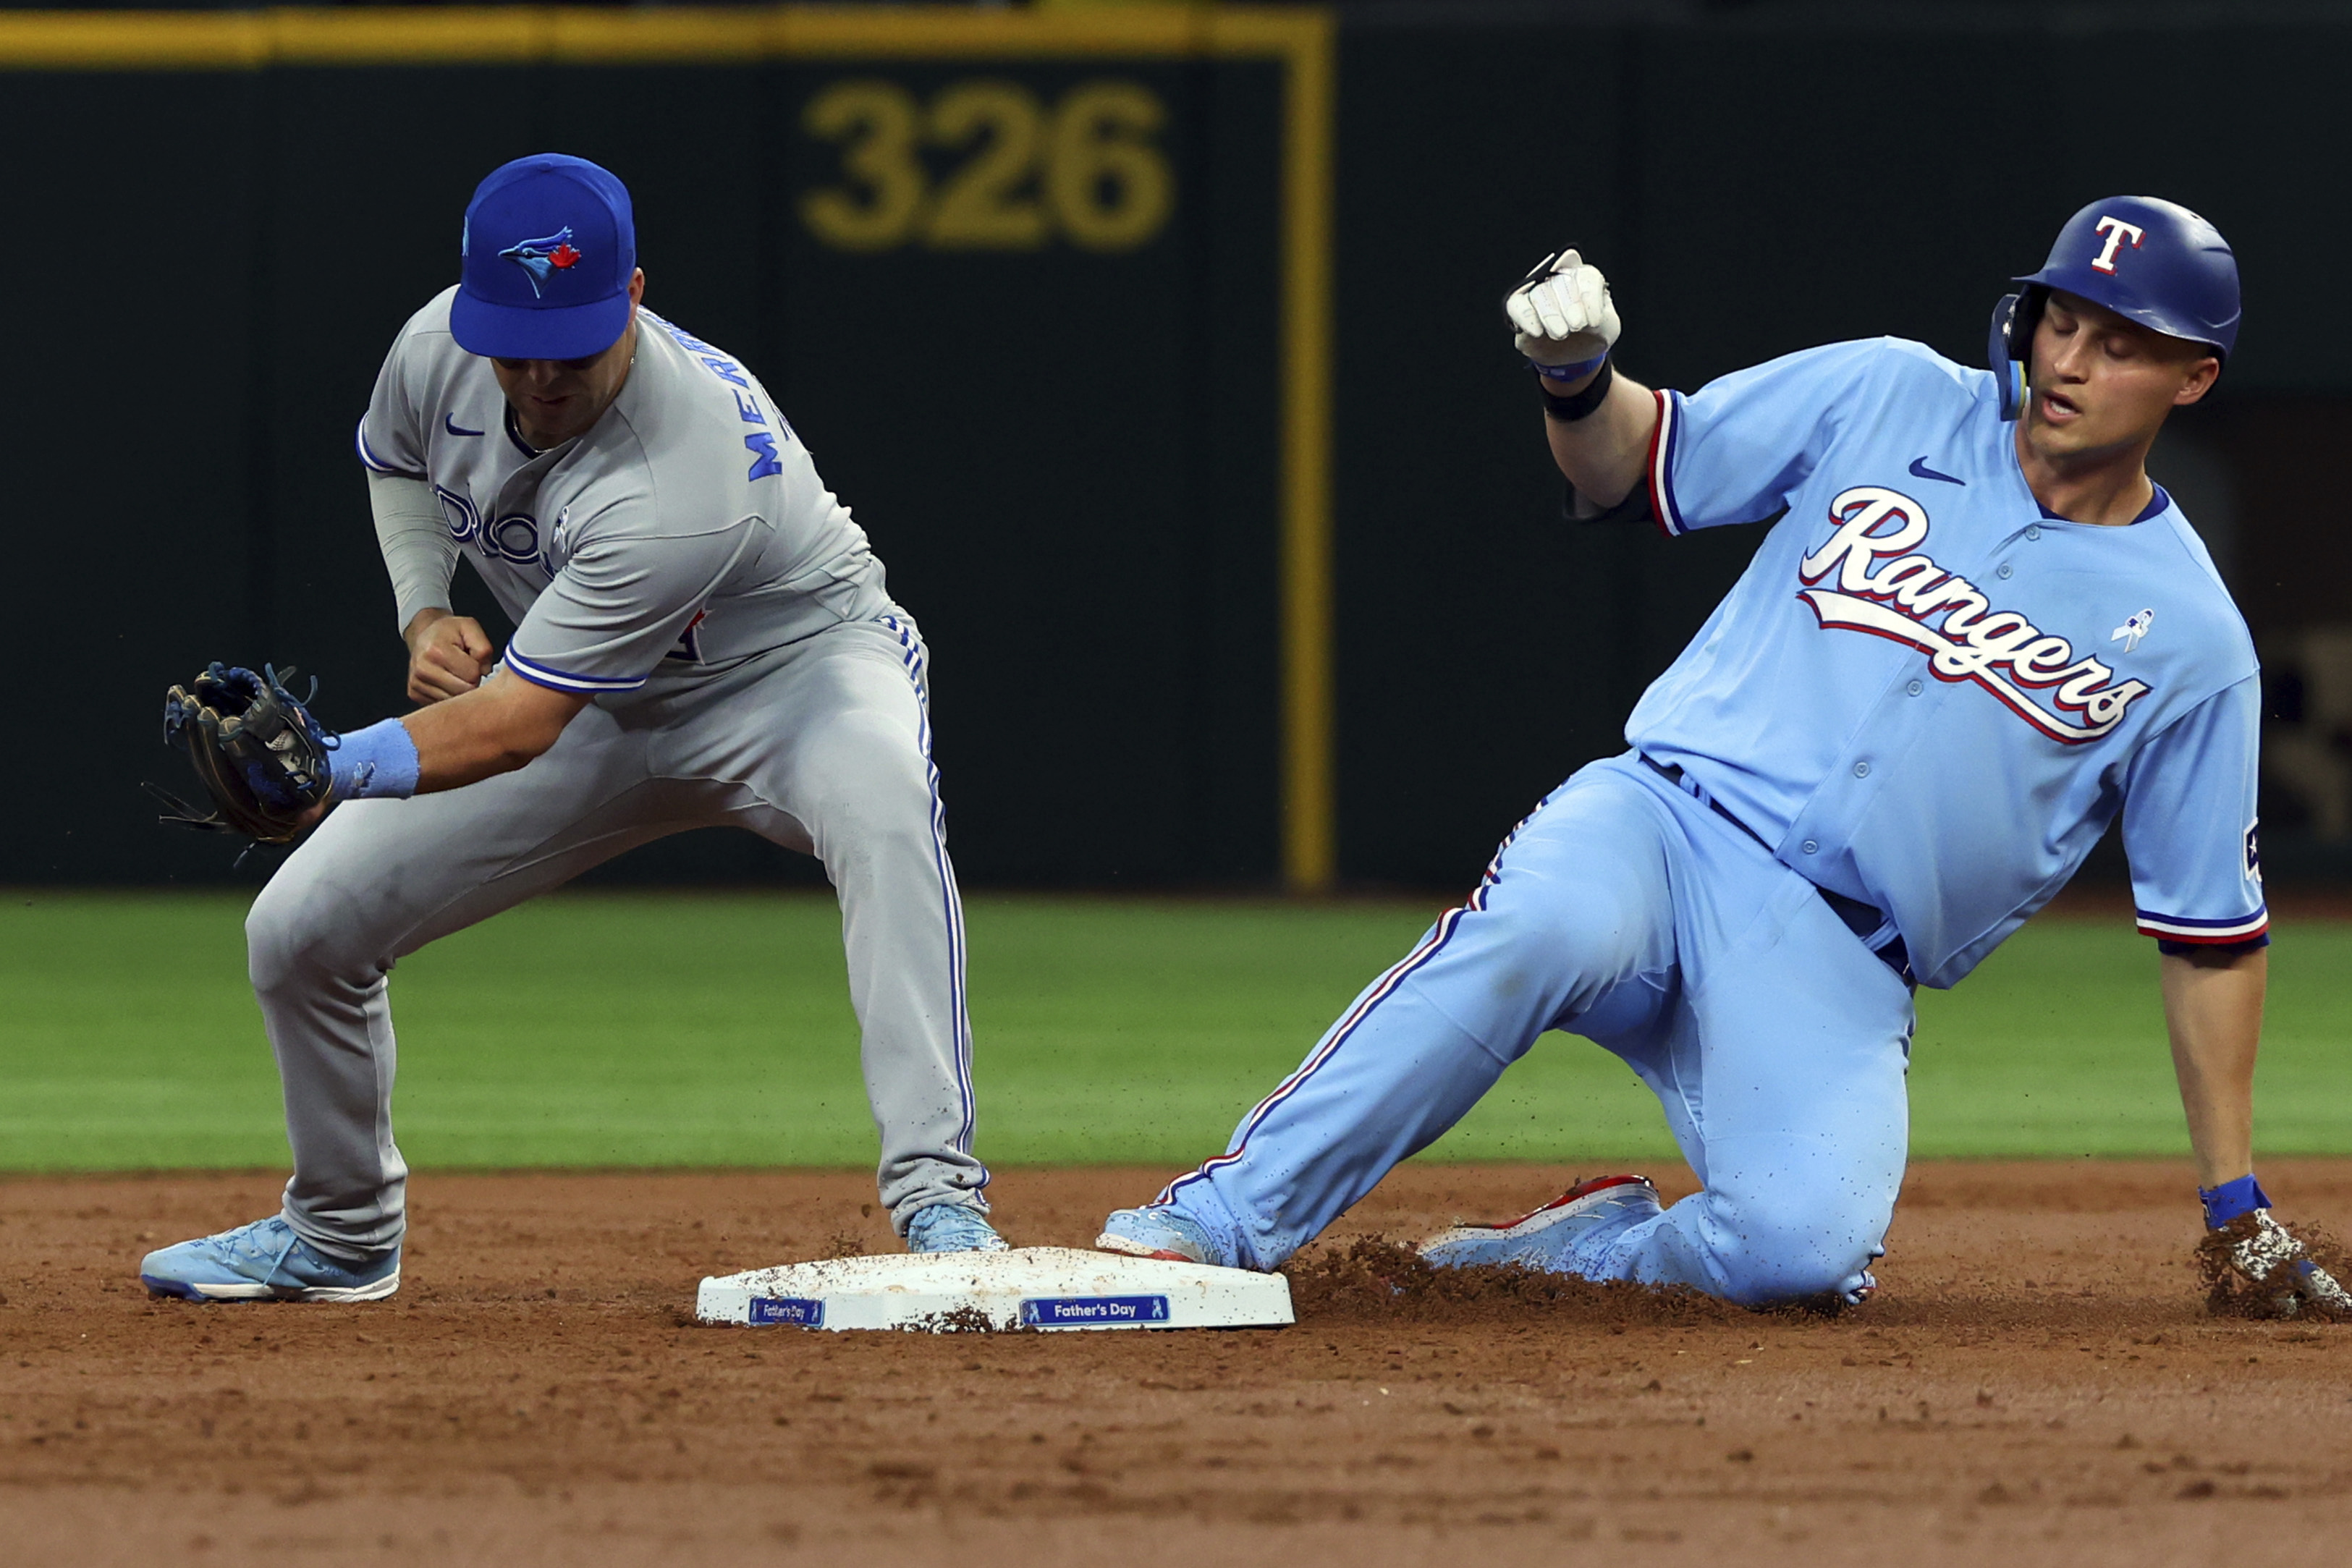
pixel 357 35
pixel 1310 835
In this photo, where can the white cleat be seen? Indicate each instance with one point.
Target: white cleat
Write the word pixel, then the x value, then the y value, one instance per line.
pixel 1541 1239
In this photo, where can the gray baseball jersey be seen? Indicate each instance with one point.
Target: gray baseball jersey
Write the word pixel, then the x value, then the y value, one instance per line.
pixel 686 531
pixel 681 562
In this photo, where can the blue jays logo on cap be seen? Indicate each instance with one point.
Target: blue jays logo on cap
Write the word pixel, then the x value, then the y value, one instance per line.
pixel 548 252
pixel 543 258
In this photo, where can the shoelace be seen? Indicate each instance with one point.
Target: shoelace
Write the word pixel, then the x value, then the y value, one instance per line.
pixel 242 1241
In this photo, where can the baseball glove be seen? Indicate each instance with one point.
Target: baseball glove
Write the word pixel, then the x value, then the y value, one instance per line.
pixel 257 750
pixel 2254 1267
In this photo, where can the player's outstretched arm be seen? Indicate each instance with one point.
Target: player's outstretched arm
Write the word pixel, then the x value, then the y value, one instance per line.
pixel 468 729
pixel 2213 1011
pixel 273 772
pixel 1598 423
pixel 495 728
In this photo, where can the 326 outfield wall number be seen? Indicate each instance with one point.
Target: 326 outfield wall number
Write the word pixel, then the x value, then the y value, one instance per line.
pixel 1087 169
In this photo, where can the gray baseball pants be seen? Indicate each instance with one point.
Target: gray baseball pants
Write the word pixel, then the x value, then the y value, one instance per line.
pixel 822 746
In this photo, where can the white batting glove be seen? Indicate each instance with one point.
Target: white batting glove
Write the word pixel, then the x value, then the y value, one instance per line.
pixel 1562 312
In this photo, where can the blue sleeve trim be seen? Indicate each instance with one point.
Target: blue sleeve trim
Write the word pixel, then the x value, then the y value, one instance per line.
pixel 2173 949
pixel 376 465
pixel 547 675
pixel 1662 441
pixel 2186 928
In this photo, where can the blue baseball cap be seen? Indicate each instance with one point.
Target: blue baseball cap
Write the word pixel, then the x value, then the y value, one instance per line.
pixel 549 247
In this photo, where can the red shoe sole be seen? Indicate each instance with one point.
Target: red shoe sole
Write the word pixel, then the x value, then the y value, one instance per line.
pixel 1581 1189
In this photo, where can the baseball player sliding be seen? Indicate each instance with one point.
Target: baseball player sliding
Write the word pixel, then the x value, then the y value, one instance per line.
pixel 702 637
pixel 1976 633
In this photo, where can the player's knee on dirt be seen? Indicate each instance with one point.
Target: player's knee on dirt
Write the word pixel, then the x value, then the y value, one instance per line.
pixel 1785 1241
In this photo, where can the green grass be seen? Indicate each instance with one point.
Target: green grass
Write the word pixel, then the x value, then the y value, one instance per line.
pixel 699 1030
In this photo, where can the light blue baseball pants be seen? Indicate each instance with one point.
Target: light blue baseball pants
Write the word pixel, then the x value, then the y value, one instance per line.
pixel 1628 912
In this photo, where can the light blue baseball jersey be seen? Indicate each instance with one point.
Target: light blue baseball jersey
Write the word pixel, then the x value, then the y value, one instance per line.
pixel 1928 693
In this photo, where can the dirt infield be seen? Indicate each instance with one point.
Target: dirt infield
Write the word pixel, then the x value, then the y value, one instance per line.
pixel 2036 1379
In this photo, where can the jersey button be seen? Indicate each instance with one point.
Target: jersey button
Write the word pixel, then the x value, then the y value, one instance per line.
pixel 1915 687
pixel 1862 769
pixel 2006 570
pixel 2033 531
pixel 1809 845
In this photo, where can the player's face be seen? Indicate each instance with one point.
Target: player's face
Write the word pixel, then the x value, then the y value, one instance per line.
pixel 2102 383
pixel 555 400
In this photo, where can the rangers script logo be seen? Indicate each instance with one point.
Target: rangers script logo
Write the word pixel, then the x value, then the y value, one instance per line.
pixel 2002 652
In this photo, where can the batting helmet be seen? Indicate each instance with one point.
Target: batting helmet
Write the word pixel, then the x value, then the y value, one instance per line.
pixel 2148 260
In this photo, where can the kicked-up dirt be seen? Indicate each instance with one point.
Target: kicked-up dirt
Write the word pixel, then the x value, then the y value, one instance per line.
pixel 2037 1381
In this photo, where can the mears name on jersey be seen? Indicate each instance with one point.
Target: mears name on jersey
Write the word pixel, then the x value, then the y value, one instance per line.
pixel 2000 651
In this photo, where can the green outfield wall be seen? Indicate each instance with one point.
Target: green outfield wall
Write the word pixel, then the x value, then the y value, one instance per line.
pixel 1158 350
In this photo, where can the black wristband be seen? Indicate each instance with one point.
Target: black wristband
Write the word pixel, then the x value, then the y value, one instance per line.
pixel 1568 410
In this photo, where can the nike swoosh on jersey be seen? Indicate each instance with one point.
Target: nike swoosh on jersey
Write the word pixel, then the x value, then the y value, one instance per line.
pixel 1919 469
pixel 449 423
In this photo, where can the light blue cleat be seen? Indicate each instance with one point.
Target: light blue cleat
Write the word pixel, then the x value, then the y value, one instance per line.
pixel 1542 1239
pixel 1159 1231
pixel 952 1228
pixel 265 1261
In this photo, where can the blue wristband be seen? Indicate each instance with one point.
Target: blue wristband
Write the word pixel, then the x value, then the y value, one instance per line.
pixel 2231 1200
pixel 1576 372
pixel 376 763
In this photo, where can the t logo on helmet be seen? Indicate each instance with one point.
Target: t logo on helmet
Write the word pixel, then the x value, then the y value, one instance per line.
pixel 2118 231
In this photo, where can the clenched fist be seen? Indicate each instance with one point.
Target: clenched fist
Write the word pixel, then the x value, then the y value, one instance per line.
pixel 1562 312
pixel 447 655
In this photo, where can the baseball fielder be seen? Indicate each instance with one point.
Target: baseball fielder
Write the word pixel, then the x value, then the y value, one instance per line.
pixel 702 637
pixel 1975 634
